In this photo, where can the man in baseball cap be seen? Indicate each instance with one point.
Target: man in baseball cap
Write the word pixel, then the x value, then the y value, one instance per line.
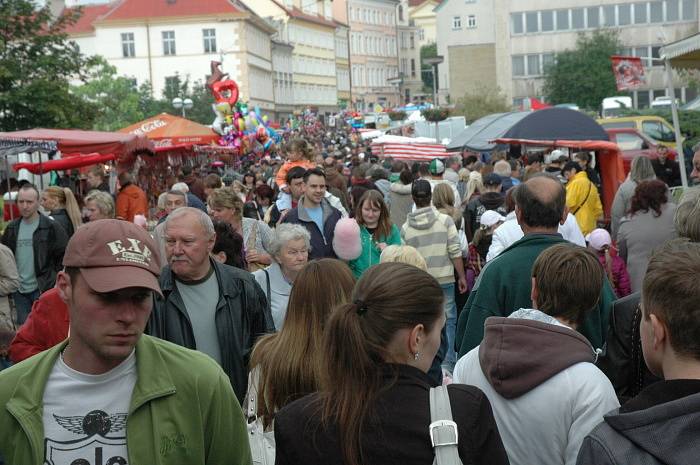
pixel 436 169
pixel 109 392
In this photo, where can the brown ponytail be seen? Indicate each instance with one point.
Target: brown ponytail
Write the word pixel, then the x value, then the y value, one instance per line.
pixel 389 297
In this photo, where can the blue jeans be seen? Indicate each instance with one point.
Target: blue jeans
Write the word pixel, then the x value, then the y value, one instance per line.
pixel 450 359
pixel 23 304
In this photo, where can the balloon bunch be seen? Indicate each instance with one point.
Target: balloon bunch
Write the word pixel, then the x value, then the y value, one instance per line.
pixel 248 131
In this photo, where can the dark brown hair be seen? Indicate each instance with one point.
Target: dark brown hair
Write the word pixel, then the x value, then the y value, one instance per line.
pixel 649 195
pixel 670 291
pixel 290 360
pixel 569 279
pixel 387 298
pixel 302 146
pixel 376 199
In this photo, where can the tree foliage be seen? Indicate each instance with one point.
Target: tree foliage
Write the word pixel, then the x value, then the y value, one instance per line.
pixel 427 51
pixel 584 75
pixel 484 101
pixel 37 64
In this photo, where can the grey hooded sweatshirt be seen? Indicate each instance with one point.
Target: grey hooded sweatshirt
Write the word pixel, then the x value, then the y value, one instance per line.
pixel 660 426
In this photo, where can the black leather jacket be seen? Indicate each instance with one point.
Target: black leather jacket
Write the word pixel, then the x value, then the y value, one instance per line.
pixel 49 243
pixel 622 361
pixel 241 317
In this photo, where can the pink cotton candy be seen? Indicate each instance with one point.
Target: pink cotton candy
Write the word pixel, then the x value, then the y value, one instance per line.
pixel 346 239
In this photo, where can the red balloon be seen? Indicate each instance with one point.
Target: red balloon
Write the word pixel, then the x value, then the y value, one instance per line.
pixel 222 86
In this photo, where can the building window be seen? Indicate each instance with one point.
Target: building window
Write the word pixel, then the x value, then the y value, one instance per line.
pixel 533 65
pixel 456 22
pixel 518 65
pixel 471 21
pixel 656 12
pixel 562 20
pixel 640 13
pixel 168 42
pixel 624 14
pixel 531 22
pixel 609 15
pixel 547 20
pixel 413 67
pixel 593 15
pixel 547 61
pixel 128 45
pixel 517 22
pixel 421 34
pixel 577 21
pixel 209 36
pixel 412 38
pixel 672 10
pixel 689 10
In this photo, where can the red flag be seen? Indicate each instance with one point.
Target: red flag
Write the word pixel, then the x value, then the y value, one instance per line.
pixel 537 104
pixel 629 72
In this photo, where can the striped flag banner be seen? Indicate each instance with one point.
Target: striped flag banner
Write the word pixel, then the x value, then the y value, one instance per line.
pixel 414 152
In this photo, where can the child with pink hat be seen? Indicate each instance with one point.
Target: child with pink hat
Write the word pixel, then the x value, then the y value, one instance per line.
pixel 600 242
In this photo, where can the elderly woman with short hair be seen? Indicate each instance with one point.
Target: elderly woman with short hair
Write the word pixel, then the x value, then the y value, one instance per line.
pixel 99 205
pixel 290 253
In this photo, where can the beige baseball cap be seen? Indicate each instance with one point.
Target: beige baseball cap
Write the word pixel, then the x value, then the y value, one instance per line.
pixel 113 255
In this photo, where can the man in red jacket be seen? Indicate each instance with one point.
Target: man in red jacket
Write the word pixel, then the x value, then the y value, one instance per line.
pixel 46 326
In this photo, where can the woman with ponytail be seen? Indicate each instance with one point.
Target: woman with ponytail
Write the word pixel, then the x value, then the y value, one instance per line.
pixel 60 204
pixel 373 404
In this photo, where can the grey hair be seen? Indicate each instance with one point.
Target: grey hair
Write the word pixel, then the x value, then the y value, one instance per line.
pixel 178 193
pixel 286 232
pixel 103 200
pixel 181 187
pixel 641 169
pixel 162 200
pixel 502 168
pixel 204 219
pixel 687 217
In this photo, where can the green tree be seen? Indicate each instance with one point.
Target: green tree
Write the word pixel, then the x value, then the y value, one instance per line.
pixel 485 100
pixel 427 51
pixel 37 64
pixel 584 75
pixel 118 101
pixel 202 100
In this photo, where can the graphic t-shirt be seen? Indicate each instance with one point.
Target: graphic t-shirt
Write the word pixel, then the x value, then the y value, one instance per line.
pixel 85 415
pixel 25 256
pixel 316 215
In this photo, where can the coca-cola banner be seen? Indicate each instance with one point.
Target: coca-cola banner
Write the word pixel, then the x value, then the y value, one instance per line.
pixel 629 72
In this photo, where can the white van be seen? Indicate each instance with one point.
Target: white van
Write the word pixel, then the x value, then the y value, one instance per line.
pixel 614 106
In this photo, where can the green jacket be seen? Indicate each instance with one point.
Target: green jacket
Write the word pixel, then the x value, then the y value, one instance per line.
pixel 504 286
pixel 370 251
pixel 183 410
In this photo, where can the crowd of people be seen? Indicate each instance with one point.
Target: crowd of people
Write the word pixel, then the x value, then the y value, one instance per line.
pixel 307 308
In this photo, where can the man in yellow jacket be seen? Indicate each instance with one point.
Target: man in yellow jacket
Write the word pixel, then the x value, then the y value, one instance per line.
pixel 582 197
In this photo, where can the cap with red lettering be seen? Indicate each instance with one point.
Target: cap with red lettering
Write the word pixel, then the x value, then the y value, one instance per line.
pixel 113 255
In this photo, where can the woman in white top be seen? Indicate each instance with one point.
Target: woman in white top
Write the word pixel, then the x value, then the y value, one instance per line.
pixel 290 253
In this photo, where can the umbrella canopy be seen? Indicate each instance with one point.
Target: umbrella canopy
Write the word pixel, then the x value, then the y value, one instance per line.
pixel 479 135
pixel 166 130
pixel 72 141
pixel 557 124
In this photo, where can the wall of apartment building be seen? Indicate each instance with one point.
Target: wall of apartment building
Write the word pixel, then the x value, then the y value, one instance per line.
pixel 473 68
pixel 256 66
pixel 283 74
pixel 424 18
pixel 373 52
pixel 140 52
pixel 536 32
pixel 462 22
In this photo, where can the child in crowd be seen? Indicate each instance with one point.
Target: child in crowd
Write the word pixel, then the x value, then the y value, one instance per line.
pixel 600 242
pixel 479 247
pixel 301 153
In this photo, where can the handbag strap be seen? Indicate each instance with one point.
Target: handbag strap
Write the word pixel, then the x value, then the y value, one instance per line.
pixel 269 291
pixel 584 200
pixel 443 431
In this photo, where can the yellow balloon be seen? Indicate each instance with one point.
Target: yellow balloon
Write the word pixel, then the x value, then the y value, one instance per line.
pixel 241 124
pixel 264 118
pixel 224 108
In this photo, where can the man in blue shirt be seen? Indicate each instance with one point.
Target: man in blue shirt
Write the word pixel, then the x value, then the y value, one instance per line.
pixel 317 215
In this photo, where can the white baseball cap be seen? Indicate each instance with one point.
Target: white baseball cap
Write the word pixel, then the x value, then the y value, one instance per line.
pixel 491 217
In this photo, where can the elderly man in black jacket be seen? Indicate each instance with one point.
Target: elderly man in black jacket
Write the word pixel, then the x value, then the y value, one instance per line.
pixel 208 306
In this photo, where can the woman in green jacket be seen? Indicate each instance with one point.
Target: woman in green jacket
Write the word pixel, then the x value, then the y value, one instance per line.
pixel 376 231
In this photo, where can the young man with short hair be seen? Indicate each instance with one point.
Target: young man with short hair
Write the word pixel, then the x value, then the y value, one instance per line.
pixel 661 425
pixel 109 394
pixel 295 182
pixel 537 370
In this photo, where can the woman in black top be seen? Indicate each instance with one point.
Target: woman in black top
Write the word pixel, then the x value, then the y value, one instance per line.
pixel 373 406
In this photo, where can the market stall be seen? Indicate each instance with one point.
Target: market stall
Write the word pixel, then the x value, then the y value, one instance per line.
pixel 408 148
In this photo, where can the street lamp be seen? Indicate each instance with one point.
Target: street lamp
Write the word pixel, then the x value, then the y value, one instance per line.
pixel 434 62
pixel 186 104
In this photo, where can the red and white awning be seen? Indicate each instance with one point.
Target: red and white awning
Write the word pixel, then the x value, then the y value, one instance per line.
pixel 414 152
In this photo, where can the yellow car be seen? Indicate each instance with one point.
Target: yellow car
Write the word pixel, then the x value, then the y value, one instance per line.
pixel 655 127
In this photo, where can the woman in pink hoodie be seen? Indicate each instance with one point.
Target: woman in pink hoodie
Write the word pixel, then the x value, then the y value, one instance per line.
pixel 600 242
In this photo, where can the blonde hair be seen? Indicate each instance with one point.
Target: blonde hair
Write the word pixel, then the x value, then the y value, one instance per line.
pixel 66 200
pixel 225 197
pixel 103 201
pixel 444 199
pixel 403 254
pixel 474 184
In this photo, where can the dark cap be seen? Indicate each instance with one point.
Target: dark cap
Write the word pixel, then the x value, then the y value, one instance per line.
pixel 421 189
pixel 492 179
pixel 114 255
